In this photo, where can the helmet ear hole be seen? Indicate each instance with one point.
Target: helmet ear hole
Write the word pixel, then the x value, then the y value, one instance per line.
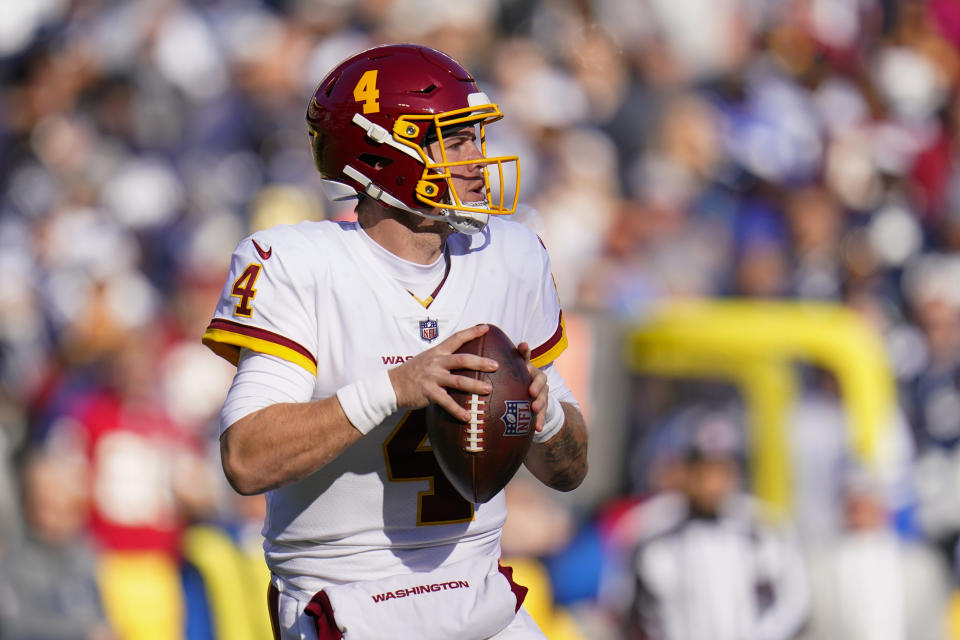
pixel 374 161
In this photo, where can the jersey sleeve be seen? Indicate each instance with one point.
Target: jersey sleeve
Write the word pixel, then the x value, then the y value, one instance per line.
pixel 263 380
pixel 548 336
pixel 267 304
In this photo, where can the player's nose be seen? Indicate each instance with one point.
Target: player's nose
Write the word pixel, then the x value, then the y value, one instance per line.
pixel 473 151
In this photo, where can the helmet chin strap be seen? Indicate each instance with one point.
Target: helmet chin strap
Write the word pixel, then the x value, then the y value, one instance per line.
pixel 460 221
pixel 466 221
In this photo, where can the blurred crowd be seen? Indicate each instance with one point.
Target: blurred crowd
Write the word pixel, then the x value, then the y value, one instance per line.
pixel 788 149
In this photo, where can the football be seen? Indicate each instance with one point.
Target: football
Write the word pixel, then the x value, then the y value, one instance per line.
pixel 480 456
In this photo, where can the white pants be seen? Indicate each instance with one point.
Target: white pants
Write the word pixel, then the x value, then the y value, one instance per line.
pixel 295 624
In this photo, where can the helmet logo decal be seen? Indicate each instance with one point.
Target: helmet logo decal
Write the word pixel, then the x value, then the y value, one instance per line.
pixel 366 92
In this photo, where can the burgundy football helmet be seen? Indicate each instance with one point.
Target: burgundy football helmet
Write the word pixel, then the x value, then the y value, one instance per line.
pixel 371 120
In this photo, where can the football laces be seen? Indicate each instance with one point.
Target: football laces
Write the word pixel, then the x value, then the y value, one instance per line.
pixel 474 430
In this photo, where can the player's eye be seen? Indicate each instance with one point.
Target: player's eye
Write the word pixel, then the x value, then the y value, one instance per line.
pixel 461 140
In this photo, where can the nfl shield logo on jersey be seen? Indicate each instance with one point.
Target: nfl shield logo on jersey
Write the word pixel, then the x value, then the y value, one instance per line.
pixel 428 330
pixel 516 418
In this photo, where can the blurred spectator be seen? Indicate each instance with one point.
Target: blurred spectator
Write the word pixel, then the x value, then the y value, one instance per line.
pixel 933 393
pixel 147 474
pixel 148 480
pixel 48 583
pixel 12 433
pixel 712 563
pixel 868 582
pixel 542 527
pixel 539 527
pixel 815 219
pixel 821 453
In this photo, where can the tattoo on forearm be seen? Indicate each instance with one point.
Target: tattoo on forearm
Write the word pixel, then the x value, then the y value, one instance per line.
pixel 567 453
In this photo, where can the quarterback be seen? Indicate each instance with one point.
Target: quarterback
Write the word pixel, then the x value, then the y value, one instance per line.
pixel 344 332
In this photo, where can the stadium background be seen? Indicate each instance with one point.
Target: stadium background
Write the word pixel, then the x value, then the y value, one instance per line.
pixel 775 153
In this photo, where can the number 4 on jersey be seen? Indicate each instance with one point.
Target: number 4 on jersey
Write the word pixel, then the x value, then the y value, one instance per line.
pixel 243 289
pixel 410 459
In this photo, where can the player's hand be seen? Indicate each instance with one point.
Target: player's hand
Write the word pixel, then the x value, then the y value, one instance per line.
pixel 426 377
pixel 539 389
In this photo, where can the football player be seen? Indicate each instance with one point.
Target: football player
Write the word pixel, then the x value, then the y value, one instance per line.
pixel 344 332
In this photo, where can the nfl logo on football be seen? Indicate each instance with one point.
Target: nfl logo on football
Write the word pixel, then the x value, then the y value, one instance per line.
pixel 428 330
pixel 516 418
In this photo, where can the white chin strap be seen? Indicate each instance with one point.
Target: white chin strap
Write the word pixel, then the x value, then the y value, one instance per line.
pixel 466 221
pixel 460 221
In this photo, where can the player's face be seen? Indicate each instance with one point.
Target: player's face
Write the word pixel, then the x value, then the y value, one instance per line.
pixel 467 179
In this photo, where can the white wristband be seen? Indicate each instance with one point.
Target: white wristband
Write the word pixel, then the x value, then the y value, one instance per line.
pixel 368 402
pixel 553 422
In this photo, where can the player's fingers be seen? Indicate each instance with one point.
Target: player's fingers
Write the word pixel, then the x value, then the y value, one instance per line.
pixel 539 391
pixel 538 379
pixel 533 369
pixel 538 383
pixel 539 404
pixel 443 399
pixel 467 384
pixel 461 337
pixel 472 362
pixel 540 421
pixel 524 350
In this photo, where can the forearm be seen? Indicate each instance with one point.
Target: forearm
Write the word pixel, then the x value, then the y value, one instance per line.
pixel 561 461
pixel 284 443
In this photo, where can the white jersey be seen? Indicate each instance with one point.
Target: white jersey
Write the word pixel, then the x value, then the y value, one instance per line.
pixel 314 295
